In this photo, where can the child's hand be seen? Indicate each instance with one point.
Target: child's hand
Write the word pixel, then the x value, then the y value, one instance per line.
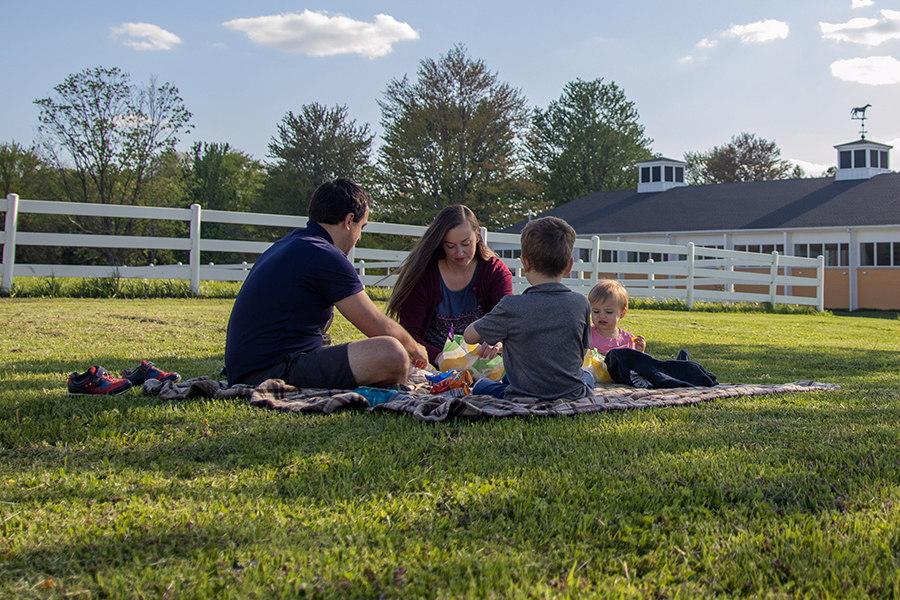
pixel 639 343
pixel 488 352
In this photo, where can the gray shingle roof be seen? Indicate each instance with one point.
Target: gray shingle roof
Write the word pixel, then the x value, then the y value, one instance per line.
pixel 784 204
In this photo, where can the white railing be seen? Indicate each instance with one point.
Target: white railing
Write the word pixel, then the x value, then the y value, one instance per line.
pixel 686 272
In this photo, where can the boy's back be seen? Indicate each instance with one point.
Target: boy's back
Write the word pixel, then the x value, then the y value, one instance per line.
pixel 545 332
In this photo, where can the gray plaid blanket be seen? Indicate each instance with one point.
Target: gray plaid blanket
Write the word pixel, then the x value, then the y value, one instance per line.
pixel 277 395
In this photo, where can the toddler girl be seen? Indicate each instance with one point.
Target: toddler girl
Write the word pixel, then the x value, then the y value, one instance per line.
pixel 609 303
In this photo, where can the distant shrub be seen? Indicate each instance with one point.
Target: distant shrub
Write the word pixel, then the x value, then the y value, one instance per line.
pixel 382 294
pixel 722 307
pixel 119 287
pixel 97 287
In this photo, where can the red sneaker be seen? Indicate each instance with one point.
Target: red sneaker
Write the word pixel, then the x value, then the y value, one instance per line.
pixel 95 381
pixel 148 371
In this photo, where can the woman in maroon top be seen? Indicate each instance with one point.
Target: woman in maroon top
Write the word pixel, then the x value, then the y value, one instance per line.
pixel 449 280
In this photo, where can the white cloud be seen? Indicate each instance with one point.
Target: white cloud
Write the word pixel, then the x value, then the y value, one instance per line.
pixel 809 169
pixel 869 32
pixel 760 32
pixel 686 59
pixel 130 121
pixel 861 3
pixel 874 70
pixel 146 36
pixel 318 34
pixel 707 43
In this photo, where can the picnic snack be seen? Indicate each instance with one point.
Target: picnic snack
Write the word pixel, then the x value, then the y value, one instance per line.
pixel 458 383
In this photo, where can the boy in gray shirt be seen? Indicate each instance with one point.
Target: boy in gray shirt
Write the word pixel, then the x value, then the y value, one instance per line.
pixel 546 330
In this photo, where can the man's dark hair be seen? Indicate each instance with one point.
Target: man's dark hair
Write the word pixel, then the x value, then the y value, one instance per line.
pixel 335 199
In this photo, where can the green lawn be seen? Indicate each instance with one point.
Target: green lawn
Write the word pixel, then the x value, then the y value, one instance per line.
pixel 790 495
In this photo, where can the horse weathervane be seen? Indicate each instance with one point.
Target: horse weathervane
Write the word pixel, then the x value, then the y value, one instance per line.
pixel 859 114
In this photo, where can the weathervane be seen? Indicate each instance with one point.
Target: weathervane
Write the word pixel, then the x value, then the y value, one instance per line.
pixel 859 114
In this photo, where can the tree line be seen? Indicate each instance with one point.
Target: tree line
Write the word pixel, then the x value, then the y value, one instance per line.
pixel 455 133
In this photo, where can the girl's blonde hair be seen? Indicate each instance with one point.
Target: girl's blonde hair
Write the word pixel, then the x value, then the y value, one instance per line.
pixel 607 289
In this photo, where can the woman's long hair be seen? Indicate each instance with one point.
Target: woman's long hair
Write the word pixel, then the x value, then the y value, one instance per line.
pixel 430 247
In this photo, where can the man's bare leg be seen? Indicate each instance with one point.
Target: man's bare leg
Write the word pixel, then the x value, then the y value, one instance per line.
pixel 378 361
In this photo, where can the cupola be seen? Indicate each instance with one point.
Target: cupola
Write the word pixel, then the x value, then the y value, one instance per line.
pixel 660 174
pixel 862 159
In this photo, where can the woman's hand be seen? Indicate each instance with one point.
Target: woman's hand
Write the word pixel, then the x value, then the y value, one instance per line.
pixel 488 352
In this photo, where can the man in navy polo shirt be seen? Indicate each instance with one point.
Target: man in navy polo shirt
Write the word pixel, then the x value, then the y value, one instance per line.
pixel 275 330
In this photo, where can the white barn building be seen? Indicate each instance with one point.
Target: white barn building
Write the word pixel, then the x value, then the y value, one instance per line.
pixel 852 219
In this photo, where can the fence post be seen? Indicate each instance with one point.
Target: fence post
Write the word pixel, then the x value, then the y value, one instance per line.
pixel 820 284
pixel 194 260
pixel 690 277
pixel 362 268
pixel 651 277
pixel 773 278
pixel 9 242
pixel 729 287
pixel 595 273
pixel 484 234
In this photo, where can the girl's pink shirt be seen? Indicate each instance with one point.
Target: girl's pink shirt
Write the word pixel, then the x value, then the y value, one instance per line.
pixel 604 344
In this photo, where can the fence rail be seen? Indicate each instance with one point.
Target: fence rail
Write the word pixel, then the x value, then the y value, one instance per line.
pixel 686 272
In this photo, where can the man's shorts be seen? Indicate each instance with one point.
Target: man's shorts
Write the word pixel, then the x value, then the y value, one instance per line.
pixel 327 367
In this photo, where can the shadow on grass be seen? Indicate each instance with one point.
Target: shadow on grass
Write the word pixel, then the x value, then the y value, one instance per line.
pixel 53 373
pixel 781 364
pixel 326 459
pixel 345 455
pixel 868 314
pixel 591 487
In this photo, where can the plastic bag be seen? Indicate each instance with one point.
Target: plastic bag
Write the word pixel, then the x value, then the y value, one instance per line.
pixel 457 383
pixel 461 356
pixel 595 364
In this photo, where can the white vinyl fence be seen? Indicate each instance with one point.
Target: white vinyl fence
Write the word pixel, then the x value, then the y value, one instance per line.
pixel 687 272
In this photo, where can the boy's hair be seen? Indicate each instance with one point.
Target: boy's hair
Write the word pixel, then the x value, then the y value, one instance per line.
pixel 547 244
pixel 607 289
pixel 334 200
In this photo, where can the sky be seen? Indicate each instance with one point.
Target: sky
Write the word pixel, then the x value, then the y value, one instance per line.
pixel 698 71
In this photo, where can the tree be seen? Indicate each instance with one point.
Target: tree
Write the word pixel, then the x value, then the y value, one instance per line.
pixel 311 147
pixel 102 134
pixel 23 172
pixel 219 177
pixel 745 158
pixel 453 137
pixel 20 170
pixel 222 178
pixel 587 141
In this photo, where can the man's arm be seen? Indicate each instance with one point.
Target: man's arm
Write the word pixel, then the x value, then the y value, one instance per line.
pixel 365 316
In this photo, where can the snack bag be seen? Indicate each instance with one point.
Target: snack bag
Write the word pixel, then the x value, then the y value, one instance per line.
pixel 596 365
pixel 457 383
pixel 457 354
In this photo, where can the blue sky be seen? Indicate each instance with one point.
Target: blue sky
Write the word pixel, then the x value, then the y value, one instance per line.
pixel 698 71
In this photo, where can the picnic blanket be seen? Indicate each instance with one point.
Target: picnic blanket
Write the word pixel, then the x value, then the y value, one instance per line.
pixel 277 395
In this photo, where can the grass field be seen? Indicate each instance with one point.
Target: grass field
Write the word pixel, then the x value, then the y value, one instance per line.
pixel 791 495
